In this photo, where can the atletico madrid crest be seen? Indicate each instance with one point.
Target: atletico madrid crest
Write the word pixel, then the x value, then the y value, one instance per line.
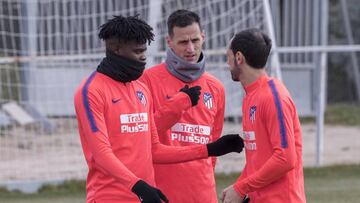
pixel 141 97
pixel 208 100
pixel 252 113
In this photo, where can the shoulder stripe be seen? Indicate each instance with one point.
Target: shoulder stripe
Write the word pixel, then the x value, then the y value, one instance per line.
pixel 89 114
pixel 275 94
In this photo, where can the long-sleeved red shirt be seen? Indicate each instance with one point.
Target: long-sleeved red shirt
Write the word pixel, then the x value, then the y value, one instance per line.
pixel 119 138
pixel 272 136
pixel 179 124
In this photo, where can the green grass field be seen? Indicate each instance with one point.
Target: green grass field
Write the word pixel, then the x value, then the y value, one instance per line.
pixel 339 114
pixel 329 184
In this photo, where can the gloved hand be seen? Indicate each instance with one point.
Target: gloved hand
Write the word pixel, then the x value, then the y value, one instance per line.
pixel 226 144
pixel 246 200
pixel 147 193
pixel 193 93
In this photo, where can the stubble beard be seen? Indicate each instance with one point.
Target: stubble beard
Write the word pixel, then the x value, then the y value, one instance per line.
pixel 236 72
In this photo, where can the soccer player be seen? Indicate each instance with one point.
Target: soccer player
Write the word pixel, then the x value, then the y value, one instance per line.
pixel 189 110
pixel 116 124
pixel 272 135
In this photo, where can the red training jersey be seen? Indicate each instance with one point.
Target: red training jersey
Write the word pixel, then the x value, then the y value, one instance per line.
pixel 272 136
pixel 119 138
pixel 179 124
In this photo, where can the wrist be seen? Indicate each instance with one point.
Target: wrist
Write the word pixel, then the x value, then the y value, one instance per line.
pixel 139 187
pixel 210 149
pixel 133 182
pixel 238 190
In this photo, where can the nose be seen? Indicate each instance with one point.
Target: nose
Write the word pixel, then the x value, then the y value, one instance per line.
pixel 143 58
pixel 190 47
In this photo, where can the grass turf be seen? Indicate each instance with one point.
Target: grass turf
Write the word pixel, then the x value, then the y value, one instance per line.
pixel 327 184
pixel 339 114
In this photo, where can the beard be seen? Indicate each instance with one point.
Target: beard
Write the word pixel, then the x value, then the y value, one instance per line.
pixel 236 72
pixel 234 77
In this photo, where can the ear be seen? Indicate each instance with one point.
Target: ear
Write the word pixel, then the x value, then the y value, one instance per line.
pixel 116 51
pixel 119 49
pixel 203 34
pixel 239 58
pixel 169 41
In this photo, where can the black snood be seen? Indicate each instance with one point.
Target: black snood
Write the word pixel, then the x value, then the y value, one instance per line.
pixel 121 68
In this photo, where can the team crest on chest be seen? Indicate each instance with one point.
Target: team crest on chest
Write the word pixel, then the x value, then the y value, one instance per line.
pixel 141 97
pixel 252 113
pixel 208 100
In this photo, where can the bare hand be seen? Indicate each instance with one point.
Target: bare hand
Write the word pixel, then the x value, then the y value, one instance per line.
pixel 229 195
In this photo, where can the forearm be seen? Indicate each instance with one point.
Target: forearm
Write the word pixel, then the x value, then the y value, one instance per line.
pixel 115 168
pixel 171 111
pixel 275 168
pixel 163 154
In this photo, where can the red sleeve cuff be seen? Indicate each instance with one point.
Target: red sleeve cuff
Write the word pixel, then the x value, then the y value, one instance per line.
pixel 132 182
pixel 240 188
pixel 204 151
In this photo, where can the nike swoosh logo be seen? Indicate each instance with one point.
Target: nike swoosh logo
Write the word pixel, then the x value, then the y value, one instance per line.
pixel 115 100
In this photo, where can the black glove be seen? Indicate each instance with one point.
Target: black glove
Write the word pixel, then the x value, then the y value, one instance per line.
pixel 246 200
pixel 193 93
pixel 226 144
pixel 147 193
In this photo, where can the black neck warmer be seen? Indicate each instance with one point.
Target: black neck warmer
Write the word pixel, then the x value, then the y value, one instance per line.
pixel 120 68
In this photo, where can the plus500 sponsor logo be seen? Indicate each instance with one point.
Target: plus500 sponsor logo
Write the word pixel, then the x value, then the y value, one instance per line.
pixel 198 133
pixel 249 140
pixel 136 122
pixel 190 138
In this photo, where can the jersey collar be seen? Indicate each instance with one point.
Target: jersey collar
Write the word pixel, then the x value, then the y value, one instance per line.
pixel 257 83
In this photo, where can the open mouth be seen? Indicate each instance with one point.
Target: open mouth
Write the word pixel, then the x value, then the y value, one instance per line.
pixel 190 58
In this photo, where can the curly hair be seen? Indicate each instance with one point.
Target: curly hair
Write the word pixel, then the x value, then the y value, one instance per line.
pixel 125 29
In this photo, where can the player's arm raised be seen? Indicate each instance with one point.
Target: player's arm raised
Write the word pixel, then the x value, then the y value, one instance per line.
pixel 163 154
pixel 172 109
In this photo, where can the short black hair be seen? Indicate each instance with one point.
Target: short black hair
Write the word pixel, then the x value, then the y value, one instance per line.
pixel 125 29
pixel 254 45
pixel 181 18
